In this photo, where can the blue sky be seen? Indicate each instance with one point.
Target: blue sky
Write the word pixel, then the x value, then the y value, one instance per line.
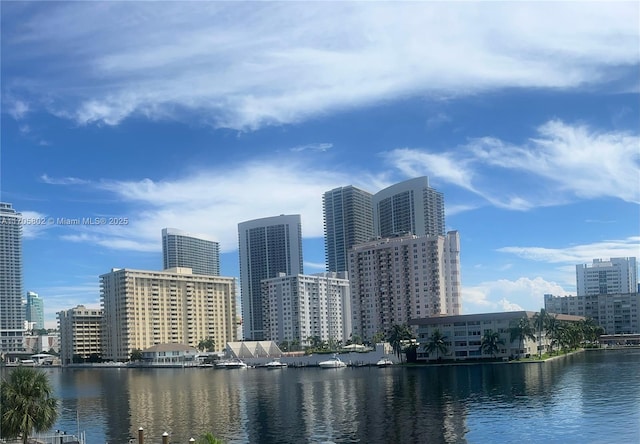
pixel 198 116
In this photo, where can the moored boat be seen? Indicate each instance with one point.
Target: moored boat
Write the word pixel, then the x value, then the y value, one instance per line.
pixel 334 362
pixel 275 364
pixel 384 362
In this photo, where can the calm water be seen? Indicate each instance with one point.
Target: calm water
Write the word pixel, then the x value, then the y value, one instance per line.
pixel 592 397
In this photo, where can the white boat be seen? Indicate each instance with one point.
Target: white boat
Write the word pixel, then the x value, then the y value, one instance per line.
pixel 275 364
pixel 233 364
pixel 334 362
pixel 384 362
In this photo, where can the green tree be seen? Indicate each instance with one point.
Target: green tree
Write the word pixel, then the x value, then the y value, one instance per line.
pixel 553 328
pixel 208 345
pixel 377 338
pixel 491 342
pixel 521 329
pixel 437 343
pixel 540 324
pixel 27 404
pixel 397 335
pixel 136 355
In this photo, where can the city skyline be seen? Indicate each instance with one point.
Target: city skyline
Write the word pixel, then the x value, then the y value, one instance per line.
pixel 523 115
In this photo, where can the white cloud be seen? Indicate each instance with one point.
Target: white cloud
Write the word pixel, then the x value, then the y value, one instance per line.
pixel 576 254
pixel 315 266
pixel 213 202
pixel 18 109
pixel 248 65
pixel 321 147
pixel 573 158
pixel 62 180
pixel 563 162
pixel 506 295
pixel 34 224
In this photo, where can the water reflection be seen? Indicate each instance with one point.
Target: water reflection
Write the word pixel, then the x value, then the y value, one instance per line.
pixel 569 400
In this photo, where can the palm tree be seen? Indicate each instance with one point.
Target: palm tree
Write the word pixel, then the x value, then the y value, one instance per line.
pixel 521 329
pixel 553 328
pixel 491 342
pixel 27 404
pixel 397 335
pixel 540 323
pixel 437 343
pixel 208 345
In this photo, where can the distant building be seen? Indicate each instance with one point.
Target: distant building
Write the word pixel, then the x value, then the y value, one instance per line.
pixel 348 220
pixel 42 343
pixel 186 250
pixel 615 313
pixel 618 275
pixel 395 280
pixel 170 355
pixel 80 334
pixel 464 334
pixel 302 306
pixel 12 313
pixel 409 207
pixel 268 246
pixel 35 310
pixel 146 308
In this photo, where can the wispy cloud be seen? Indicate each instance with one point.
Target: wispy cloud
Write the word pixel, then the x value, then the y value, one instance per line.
pixel 321 147
pixel 63 180
pixel 561 163
pixel 248 65
pixel 18 109
pixel 579 253
pixel 213 202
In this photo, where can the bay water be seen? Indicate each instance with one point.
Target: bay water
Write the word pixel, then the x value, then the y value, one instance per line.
pixel 588 397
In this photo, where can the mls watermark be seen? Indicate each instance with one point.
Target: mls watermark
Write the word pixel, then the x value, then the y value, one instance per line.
pixel 38 221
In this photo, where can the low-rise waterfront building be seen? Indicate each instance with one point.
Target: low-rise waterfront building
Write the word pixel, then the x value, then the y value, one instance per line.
pixel 463 335
pixel 146 308
pixel 171 355
pixel 615 313
pixel 80 334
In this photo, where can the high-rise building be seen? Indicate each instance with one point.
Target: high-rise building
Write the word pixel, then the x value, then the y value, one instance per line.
pixel 34 311
pixel 186 250
pixel 409 207
pixel 80 334
pixel 11 290
pixel 268 246
pixel 145 308
pixel 348 220
pixel 395 280
pixel 302 306
pixel 618 275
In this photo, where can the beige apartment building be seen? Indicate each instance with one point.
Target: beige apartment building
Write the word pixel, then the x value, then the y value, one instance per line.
pixel 80 334
pixel 394 280
pixel 145 308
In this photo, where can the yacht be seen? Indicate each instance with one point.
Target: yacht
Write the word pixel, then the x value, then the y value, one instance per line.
pixel 275 364
pixel 384 362
pixel 232 364
pixel 334 362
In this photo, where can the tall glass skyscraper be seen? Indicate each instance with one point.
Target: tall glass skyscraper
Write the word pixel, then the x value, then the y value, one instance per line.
pixel 409 207
pixel 35 310
pixel 268 246
pixel 348 220
pixel 195 251
pixel 11 309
